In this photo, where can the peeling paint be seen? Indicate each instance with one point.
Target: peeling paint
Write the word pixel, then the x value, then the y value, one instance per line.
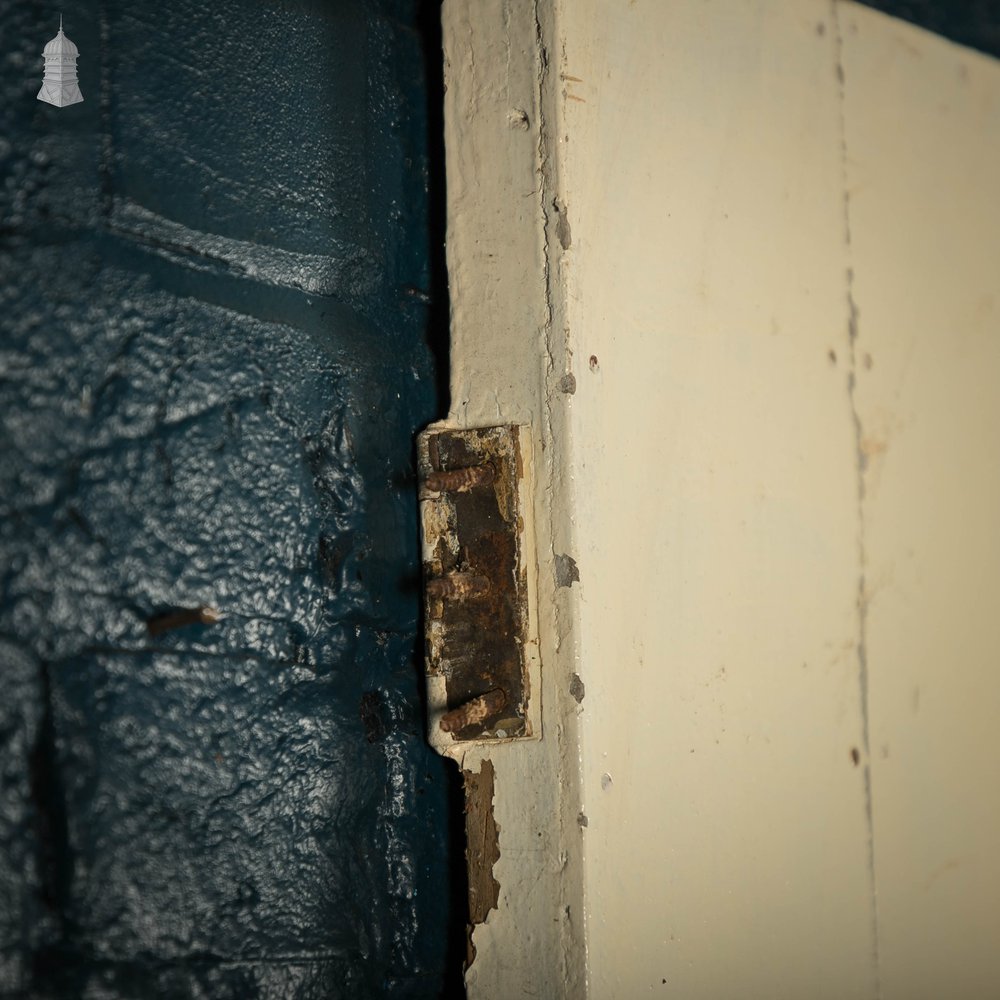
pixel 567 572
pixel 517 118
pixel 563 232
pixel 482 848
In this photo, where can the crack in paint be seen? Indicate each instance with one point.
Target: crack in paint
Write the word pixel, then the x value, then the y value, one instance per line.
pixel 861 459
pixel 552 209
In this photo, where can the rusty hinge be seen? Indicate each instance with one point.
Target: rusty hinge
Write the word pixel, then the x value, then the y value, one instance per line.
pixel 481 645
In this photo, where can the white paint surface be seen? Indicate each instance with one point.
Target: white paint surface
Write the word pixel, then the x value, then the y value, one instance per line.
pixel 787 537
pixel 716 477
pixel 923 134
pixel 502 362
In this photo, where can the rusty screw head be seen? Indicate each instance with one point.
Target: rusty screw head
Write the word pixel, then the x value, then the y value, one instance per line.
pixel 458 586
pixel 460 480
pixel 476 710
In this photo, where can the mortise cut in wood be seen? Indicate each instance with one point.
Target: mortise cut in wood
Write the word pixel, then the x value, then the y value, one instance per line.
pixel 481 651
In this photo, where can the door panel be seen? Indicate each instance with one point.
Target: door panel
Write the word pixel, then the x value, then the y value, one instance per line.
pixel 213 359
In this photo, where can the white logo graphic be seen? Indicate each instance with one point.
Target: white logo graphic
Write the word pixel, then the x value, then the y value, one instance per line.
pixel 59 86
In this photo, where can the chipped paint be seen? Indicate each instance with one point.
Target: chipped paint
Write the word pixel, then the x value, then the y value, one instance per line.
pixel 567 572
pixel 482 847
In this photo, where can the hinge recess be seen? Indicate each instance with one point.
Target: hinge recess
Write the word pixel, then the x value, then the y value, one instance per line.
pixel 479 588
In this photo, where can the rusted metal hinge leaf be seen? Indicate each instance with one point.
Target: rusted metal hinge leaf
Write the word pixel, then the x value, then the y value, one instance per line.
pixel 481 652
